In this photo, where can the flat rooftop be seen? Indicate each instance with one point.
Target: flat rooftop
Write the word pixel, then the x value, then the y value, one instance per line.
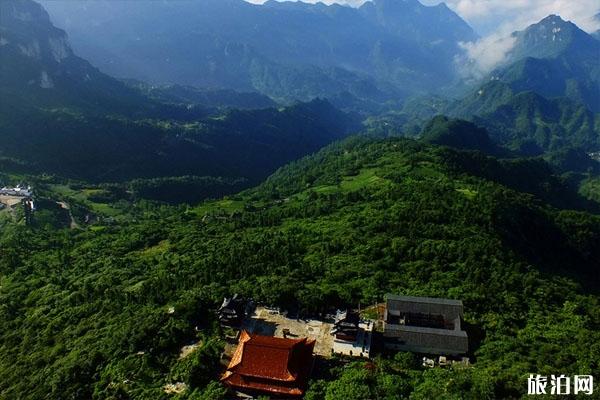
pixel 424 300
pixel 425 330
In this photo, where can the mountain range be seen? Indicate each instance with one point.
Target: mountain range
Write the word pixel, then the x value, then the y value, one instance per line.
pixel 60 115
pixel 381 51
pixel 544 97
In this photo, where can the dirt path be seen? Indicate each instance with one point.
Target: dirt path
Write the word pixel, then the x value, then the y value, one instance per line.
pixel 65 206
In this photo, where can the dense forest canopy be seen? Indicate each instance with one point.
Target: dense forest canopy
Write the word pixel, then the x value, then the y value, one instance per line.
pixel 357 220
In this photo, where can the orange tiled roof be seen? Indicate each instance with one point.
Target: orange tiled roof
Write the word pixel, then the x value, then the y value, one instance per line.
pixel 270 364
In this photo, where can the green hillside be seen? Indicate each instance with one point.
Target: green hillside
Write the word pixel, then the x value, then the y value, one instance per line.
pixel 85 312
pixel 528 122
pixel 247 144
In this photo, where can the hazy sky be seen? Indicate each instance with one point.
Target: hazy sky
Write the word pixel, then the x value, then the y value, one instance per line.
pixel 504 16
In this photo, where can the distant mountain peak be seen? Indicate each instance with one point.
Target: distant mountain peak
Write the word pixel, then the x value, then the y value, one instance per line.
pixel 551 28
pixel 412 18
pixel 549 38
pixel 553 58
pixel 552 19
pixel 398 5
pixel 39 66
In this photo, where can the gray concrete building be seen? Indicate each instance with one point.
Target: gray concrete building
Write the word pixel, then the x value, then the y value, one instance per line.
pixel 424 325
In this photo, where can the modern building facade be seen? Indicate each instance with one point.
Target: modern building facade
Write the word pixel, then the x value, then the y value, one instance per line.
pixel 424 325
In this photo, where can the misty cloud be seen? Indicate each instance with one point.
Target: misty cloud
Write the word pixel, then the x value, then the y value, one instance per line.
pixel 352 3
pixel 490 16
pixel 483 56
pixel 495 20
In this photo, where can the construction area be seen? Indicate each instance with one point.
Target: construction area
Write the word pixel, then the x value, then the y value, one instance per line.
pixel 10 201
pixel 267 321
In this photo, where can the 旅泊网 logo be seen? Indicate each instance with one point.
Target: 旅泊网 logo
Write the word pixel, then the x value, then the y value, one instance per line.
pixel 560 385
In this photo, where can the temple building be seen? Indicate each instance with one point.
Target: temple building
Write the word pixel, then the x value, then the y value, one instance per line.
pixel 234 310
pixel 345 327
pixel 424 325
pixel 270 365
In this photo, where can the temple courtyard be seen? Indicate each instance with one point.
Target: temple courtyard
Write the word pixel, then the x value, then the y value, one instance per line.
pixel 272 322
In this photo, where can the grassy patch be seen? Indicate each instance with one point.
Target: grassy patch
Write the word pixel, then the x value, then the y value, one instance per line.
pixel 367 177
pixel 225 205
pixel 590 189
pixel 83 196
pixel 158 249
pixel 468 193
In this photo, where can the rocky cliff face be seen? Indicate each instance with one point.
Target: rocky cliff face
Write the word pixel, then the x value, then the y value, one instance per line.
pixel 28 37
pixel 39 67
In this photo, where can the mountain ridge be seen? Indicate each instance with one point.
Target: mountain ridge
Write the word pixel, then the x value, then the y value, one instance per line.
pixel 239 52
pixel 555 59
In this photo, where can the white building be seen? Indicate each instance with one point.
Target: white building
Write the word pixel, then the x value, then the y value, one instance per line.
pixel 17 191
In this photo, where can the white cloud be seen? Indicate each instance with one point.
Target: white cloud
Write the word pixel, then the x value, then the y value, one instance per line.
pixel 353 3
pixel 482 56
pixel 488 16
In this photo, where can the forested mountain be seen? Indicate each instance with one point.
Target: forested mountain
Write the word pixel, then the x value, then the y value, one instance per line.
pixel 245 144
pixel 529 122
pixel 289 51
pixel 545 97
pixel 459 134
pixel 104 312
pixel 554 58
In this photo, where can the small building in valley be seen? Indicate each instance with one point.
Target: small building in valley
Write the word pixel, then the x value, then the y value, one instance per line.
pixel 17 191
pixel 269 365
pixel 424 325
